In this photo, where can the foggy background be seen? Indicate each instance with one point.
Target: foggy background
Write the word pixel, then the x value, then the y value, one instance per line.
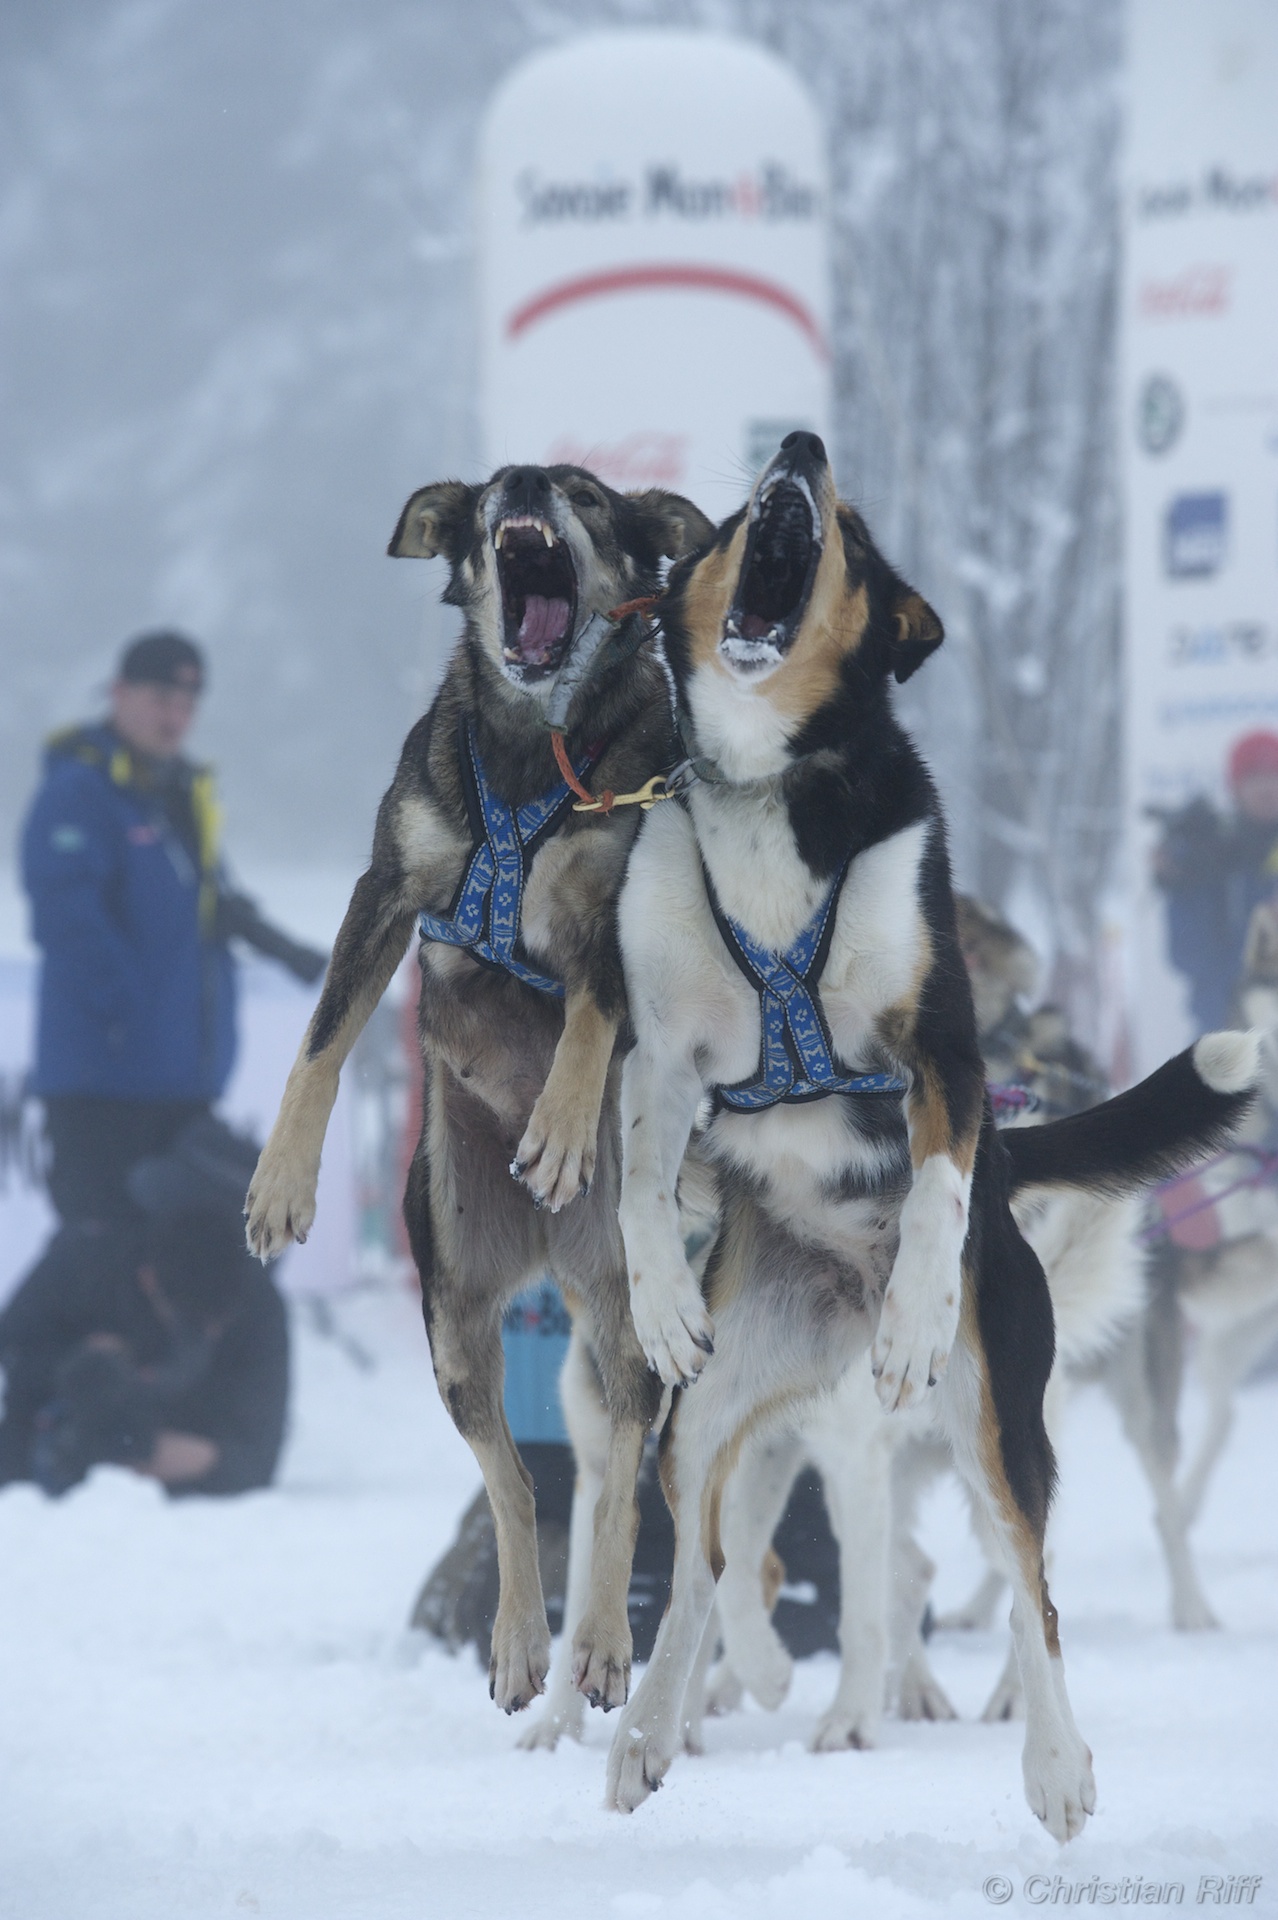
pixel 236 331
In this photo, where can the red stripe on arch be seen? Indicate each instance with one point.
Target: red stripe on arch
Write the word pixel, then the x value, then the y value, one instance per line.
pixel 592 286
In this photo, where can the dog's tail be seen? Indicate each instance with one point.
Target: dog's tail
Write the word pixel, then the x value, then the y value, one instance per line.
pixel 1185 1110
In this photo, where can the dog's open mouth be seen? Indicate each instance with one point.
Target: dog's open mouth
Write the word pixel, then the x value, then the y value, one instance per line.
pixel 538 594
pixel 783 549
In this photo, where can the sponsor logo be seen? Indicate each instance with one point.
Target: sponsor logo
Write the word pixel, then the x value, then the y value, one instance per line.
pixel 647 459
pixel 1218 190
pixel 1195 529
pixel 1219 643
pixel 1192 293
pixel 1160 413
pixel 668 276
pixel 665 192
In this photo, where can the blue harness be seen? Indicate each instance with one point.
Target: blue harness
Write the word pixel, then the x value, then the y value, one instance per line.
pixel 485 913
pixel 796 1054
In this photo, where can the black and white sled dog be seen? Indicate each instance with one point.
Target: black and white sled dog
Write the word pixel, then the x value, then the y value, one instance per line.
pixel 790 949
pixel 874 1469
pixel 477 843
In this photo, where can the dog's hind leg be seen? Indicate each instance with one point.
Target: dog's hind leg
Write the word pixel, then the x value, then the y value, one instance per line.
pixel 701 1427
pixel 768 1352
pixel 753 1503
pixel 588 1259
pixel 912 1685
pixel 976 1613
pixel 475 1240
pixel 1142 1377
pixel 992 1409
pixel 1224 1357
pixel 586 1418
pixel 850 1441
pixel 467 1352
pixel 694 1699
pixel 1007 1701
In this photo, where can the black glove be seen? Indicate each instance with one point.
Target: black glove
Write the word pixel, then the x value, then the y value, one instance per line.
pixel 102 1410
pixel 238 918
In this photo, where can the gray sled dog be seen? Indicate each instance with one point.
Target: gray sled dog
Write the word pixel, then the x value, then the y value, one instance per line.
pixel 791 952
pixel 480 843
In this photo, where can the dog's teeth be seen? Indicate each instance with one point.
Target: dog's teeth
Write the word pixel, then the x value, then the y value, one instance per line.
pixel 547 534
pixel 499 536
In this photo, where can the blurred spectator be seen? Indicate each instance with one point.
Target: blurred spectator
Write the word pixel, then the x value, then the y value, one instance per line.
pixel 1215 870
pixel 158 1344
pixel 136 1028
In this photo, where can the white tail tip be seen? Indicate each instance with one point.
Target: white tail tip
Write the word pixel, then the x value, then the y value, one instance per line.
pixel 1229 1062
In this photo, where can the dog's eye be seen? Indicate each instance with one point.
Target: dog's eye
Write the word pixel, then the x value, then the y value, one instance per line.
pixel 585 497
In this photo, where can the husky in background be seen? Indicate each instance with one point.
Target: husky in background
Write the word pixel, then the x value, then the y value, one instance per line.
pixel 478 845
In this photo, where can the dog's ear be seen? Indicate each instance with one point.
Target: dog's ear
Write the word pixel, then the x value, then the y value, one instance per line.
pixel 673 525
pixel 436 520
pixel 916 632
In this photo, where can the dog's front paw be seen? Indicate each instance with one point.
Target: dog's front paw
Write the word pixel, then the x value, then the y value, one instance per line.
pixel 280 1205
pixel 519 1663
pixel 637 1764
pixel 673 1327
pixel 555 1160
pixel 562 1721
pixel 601 1665
pixel 916 1332
pixel 921 1695
pixel 844 1728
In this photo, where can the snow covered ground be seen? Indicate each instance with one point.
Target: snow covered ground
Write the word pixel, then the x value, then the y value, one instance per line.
pixel 215 1709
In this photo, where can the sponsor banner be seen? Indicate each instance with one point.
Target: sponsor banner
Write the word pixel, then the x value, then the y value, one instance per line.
pixel 1200 434
pixel 654 295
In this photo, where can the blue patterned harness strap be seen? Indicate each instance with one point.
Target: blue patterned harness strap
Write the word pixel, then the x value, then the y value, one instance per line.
pixel 796 1054
pixel 487 907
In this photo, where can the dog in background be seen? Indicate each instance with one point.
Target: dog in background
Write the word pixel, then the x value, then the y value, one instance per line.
pixel 1209 1290
pixel 1213 1295
pixel 478 844
pixel 791 951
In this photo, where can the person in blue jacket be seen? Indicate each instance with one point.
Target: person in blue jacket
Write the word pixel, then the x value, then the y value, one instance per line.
pixel 120 857
pixel 1215 869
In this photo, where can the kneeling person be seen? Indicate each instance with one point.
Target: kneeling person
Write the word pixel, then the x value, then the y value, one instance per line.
pixel 163 1348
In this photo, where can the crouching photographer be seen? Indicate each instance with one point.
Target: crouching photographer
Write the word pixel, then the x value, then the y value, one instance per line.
pixel 161 1347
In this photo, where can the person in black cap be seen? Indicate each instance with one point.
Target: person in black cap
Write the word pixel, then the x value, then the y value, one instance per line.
pixel 133 915
pixel 158 1344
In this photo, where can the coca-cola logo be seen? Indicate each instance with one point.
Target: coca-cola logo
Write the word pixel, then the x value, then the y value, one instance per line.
pixel 1196 290
pixel 664 191
pixel 648 458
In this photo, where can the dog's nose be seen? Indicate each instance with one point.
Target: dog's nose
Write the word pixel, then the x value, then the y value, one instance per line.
pixel 527 490
pixel 801 443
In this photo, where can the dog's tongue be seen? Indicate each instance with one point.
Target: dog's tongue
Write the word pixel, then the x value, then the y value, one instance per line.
pixel 542 627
